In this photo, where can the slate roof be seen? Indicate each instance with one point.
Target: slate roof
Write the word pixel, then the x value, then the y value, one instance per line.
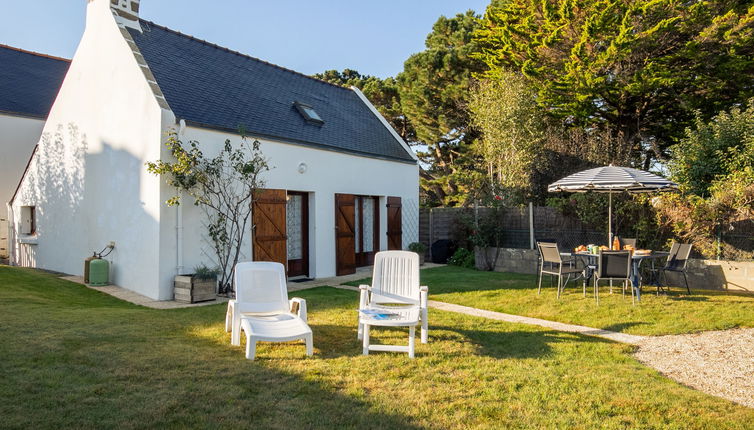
pixel 29 82
pixel 210 86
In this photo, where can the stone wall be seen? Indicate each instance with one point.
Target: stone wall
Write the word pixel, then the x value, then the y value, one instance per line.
pixel 718 275
pixel 702 274
pixel 513 260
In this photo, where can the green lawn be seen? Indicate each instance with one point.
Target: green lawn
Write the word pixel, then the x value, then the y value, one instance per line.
pixel 73 357
pixel 512 293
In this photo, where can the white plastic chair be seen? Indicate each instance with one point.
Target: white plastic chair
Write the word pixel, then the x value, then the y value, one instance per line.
pixel 262 309
pixel 395 281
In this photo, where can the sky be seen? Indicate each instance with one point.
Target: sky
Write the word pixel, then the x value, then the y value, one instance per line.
pixel 374 37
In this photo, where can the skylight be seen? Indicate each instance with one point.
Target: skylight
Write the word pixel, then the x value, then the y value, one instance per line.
pixel 309 114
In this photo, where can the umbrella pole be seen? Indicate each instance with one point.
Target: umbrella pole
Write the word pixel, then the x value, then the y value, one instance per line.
pixel 610 220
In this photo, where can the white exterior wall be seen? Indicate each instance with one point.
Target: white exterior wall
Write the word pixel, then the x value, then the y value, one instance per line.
pixel 18 135
pixel 88 181
pixel 328 173
pixel 90 186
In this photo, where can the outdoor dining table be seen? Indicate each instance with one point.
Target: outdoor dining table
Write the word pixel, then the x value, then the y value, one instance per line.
pixel 636 261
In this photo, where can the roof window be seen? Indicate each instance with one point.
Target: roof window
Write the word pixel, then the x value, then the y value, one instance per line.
pixel 309 114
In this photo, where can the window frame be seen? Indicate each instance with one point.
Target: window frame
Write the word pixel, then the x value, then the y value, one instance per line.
pixel 304 109
pixel 29 215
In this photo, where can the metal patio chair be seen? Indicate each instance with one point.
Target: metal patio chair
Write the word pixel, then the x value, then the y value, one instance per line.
pixel 613 266
pixel 553 264
pixel 676 263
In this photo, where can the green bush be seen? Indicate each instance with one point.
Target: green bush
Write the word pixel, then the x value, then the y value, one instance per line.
pixel 463 258
pixel 417 247
pixel 205 273
pixel 714 165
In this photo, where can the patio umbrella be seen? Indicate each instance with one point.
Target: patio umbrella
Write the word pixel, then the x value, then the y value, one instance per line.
pixel 611 179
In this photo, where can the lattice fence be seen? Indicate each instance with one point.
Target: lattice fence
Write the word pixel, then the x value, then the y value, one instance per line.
pixel 410 221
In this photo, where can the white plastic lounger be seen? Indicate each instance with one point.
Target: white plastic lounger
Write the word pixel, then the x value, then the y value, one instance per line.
pixel 262 309
pixel 278 328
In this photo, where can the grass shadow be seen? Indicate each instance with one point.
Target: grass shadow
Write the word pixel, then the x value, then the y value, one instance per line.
pixel 687 298
pixel 104 365
pixel 518 344
pixel 621 327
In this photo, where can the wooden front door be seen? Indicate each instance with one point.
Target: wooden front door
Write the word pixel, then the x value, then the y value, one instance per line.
pixel 394 224
pixel 297 220
pixel 269 227
pixel 345 250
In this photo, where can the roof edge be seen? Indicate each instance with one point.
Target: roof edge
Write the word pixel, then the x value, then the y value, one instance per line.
pixel 384 122
pixel 23 176
pixel 23 115
pixel 314 145
pixel 38 54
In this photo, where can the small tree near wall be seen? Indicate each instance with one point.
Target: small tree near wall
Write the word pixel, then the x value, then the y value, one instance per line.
pixel 224 186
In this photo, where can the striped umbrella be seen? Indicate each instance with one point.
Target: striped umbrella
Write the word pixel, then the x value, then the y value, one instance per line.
pixel 611 179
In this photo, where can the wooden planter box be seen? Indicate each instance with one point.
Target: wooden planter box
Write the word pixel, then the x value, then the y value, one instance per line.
pixel 188 289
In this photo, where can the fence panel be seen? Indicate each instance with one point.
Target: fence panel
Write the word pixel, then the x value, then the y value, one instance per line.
pixel 736 241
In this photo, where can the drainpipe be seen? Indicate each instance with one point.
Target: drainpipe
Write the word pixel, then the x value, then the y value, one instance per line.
pixel 11 235
pixel 179 219
pixel 179 239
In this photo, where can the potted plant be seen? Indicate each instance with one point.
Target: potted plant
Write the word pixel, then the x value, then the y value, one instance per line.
pixel 197 287
pixel 420 249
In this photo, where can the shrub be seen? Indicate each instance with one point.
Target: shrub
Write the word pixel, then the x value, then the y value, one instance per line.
pixel 714 165
pixel 463 258
pixel 417 247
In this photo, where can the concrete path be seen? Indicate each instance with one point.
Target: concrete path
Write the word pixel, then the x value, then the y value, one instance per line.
pixel 361 273
pixel 570 328
pixel 138 299
pixel 553 325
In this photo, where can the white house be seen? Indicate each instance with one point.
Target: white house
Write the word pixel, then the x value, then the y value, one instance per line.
pixel 29 83
pixel 343 184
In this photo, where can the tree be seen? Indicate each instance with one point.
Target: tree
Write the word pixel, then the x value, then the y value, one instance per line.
pixel 638 68
pixel 434 89
pixel 224 186
pixel 383 93
pixel 523 149
pixel 714 165
pixel 714 150
pixel 513 131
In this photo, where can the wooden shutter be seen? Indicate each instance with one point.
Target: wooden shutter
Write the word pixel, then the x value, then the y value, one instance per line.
pixel 268 217
pixel 394 224
pixel 345 236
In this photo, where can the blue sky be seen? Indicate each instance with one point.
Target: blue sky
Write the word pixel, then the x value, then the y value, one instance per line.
pixel 373 37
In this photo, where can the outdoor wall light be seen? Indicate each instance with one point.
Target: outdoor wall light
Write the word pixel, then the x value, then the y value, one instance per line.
pixel 302 167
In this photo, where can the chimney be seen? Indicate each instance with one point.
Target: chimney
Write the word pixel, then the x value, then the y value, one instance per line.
pixel 126 12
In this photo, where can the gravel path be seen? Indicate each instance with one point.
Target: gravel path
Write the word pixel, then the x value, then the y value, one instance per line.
pixel 720 363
